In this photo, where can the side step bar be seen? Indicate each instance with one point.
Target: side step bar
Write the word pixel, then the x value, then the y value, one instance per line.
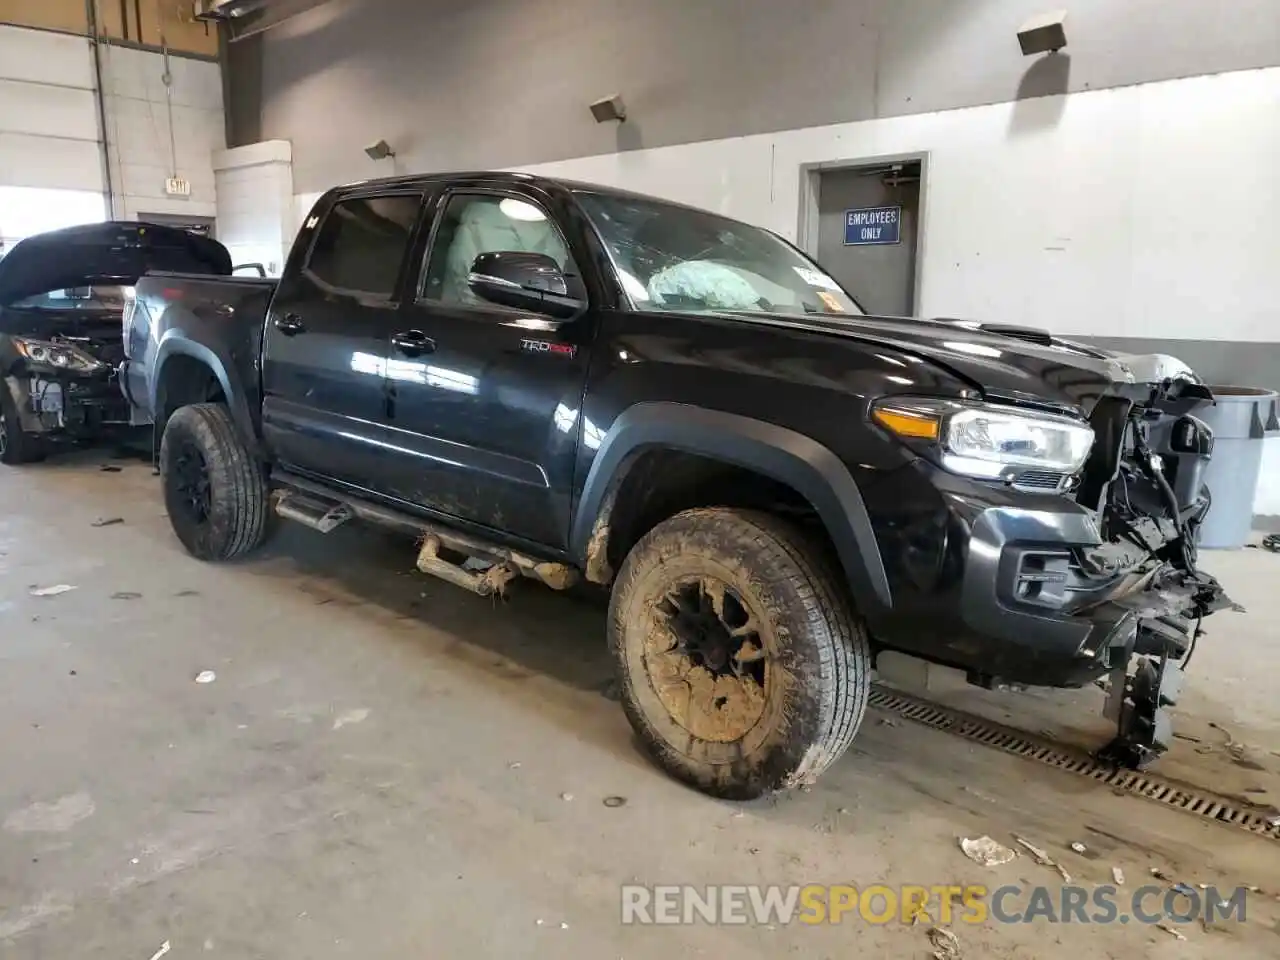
pixel 317 514
pixel 490 568
pixel 485 583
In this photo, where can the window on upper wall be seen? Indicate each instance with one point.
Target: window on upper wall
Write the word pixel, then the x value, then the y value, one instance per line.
pixel 361 245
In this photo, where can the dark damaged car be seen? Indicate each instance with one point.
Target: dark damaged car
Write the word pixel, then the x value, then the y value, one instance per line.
pixel 564 381
pixel 63 299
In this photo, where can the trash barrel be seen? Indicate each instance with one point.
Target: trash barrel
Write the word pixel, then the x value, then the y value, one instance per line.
pixel 1241 419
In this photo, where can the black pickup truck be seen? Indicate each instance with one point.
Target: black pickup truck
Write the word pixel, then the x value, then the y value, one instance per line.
pixel 568 382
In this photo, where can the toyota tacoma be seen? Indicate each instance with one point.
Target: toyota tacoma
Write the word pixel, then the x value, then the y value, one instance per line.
pixel 571 383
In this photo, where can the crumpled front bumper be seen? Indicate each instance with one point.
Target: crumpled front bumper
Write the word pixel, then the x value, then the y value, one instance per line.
pixel 1057 605
pixel 62 402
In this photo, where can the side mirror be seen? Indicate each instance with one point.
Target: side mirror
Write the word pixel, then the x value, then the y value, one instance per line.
pixel 526 281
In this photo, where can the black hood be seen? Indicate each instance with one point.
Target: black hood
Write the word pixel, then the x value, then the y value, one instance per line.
pixel 104 254
pixel 1009 363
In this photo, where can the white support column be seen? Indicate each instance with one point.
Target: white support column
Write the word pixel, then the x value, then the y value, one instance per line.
pixel 256 218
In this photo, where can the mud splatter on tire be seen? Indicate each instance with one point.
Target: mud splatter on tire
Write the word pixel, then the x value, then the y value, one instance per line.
pixel 743 667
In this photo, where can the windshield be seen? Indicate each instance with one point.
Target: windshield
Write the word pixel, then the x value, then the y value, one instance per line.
pixel 78 298
pixel 674 258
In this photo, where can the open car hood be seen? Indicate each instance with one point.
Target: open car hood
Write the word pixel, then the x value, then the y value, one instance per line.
pixel 104 254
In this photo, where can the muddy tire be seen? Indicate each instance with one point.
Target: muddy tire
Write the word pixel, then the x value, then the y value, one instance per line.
pixel 214 488
pixel 16 445
pixel 742 665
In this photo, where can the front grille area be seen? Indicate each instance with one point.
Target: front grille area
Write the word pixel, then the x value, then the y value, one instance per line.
pixel 1040 480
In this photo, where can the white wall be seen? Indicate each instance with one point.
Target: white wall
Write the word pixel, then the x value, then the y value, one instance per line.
pixel 138 130
pixel 48 116
pixel 51 138
pixel 256 216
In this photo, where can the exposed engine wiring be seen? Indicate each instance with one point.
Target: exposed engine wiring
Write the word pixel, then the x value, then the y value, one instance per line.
pixel 1146 460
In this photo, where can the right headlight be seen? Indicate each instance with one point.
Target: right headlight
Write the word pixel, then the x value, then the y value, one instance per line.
pixel 48 355
pixel 984 440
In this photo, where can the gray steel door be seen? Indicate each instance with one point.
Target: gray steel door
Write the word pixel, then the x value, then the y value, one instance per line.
pixel 881 277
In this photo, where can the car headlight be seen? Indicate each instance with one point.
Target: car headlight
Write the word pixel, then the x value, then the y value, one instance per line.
pixel 989 441
pixel 57 356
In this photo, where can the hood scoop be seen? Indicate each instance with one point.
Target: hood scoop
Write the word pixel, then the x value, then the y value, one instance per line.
pixel 1029 334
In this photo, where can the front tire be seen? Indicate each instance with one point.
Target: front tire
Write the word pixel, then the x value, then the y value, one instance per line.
pixel 16 445
pixel 743 667
pixel 215 490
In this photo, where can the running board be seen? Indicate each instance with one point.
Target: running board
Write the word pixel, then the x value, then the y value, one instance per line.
pixel 321 515
pixel 491 565
pixel 485 582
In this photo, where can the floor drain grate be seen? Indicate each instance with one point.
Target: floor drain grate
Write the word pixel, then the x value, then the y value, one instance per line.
pixel 1171 793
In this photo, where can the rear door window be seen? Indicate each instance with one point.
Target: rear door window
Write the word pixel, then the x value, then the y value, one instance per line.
pixel 362 244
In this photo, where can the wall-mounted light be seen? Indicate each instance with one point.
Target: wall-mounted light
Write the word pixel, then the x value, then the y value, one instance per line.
pixel 1045 33
pixel 610 108
pixel 380 151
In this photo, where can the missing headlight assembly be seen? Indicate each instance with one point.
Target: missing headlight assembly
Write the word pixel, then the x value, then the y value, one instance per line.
pixel 1145 480
pixel 1137 466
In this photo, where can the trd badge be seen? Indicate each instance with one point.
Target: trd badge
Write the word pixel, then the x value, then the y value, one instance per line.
pixel 546 346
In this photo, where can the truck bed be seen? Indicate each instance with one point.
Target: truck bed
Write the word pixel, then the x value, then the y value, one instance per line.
pixel 226 313
pixel 267 283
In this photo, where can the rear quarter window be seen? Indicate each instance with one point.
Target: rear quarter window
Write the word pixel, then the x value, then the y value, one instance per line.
pixel 362 244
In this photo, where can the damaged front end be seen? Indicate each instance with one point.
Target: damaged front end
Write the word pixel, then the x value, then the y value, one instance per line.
pixel 1144 480
pixel 63 301
pixel 59 368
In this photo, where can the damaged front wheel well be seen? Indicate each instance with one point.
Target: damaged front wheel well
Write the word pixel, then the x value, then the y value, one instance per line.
pixel 657 483
pixel 183 381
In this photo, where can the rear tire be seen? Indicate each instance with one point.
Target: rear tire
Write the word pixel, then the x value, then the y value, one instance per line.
pixel 743 667
pixel 214 488
pixel 16 445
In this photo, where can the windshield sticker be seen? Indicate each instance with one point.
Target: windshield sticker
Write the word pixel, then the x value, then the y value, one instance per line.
pixel 816 278
pixel 832 303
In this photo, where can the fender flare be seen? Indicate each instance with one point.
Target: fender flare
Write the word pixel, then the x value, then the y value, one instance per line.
pixel 800 462
pixel 173 344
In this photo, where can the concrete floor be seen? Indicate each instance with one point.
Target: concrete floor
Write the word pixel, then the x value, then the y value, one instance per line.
pixel 388 766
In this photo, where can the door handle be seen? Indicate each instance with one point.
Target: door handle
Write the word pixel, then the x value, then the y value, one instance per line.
pixel 290 324
pixel 412 343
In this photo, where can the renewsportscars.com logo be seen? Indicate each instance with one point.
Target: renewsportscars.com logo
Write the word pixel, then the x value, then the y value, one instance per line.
pixel 879 904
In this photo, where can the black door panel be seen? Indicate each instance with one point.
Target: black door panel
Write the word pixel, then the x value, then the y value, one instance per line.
pixel 490 411
pixel 326 352
pixel 491 425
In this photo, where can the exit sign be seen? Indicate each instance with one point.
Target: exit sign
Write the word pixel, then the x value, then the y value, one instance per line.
pixel 177 187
